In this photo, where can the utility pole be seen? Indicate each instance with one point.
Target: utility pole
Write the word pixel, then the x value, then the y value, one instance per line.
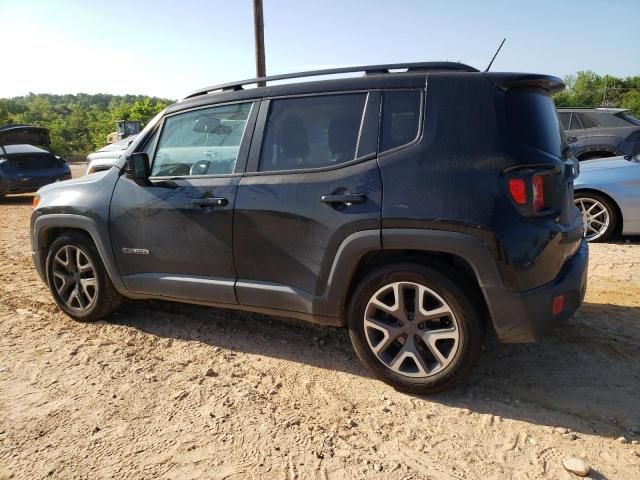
pixel 258 25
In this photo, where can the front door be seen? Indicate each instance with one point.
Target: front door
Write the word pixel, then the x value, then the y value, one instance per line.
pixel 172 237
pixel 312 180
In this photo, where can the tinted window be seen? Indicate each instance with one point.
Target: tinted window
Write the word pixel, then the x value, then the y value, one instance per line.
pixel 532 118
pixel 564 119
pixel 312 132
pixel 400 119
pixel 575 122
pixel 587 121
pixel 201 142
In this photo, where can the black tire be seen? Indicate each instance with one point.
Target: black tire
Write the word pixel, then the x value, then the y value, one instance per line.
pixel 460 300
pixel 611 209
pixel 107 299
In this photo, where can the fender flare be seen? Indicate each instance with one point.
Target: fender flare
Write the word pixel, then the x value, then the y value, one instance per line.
pixel 357 245
pixel 64 220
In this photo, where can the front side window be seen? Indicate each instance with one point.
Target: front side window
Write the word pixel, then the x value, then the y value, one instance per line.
pixel 400 118
pixel 201 142
pixel 311 132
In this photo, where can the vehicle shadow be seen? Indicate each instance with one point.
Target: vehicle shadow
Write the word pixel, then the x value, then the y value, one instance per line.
pixel 23 199
pixel 632 239
pixel 585 377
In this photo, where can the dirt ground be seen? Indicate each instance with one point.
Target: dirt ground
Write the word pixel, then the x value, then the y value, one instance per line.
pixel 175 391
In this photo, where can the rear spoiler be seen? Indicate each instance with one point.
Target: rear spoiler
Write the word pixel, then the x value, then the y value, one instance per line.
pixel 505 81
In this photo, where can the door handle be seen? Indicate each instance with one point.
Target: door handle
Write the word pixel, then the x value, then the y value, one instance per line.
pixel 209 202
pixel 572 139
pixel 348 198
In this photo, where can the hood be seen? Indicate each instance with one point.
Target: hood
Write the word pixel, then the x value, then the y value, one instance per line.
pixel 119 145
pixel 24 135
pixel 607 163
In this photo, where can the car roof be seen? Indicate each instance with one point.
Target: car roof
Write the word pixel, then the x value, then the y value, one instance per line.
pixel 399 80
pixel 612 111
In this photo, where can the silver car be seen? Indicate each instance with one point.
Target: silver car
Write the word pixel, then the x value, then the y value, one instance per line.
pixel 106 157
pixel 607 191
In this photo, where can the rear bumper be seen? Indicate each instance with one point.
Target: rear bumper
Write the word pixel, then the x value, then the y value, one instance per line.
pixel 527 316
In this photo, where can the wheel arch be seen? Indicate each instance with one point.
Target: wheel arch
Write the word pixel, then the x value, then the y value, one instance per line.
pixel 449 264
pixel 591 154
pixel 48 227
pixel 463 255
pixel 609 197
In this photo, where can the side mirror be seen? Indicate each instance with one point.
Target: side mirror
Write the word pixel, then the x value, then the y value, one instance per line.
pixel 138 166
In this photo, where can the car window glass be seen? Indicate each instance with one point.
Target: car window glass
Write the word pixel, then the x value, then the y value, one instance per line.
pixel 400 118
pixel 311 132
pixel 587 121
pixel 150 146
pixel 575 122
pixel 201 142
pixel 564 119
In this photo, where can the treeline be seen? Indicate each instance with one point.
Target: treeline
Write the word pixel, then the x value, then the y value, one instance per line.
pixel 587 89
pixel 79 124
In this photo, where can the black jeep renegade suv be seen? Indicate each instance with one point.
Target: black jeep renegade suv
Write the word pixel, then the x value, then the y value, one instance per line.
pixel 415 207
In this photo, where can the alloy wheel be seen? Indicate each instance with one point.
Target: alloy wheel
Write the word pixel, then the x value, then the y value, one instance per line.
pixel 595 217
pixel 411 329
pixel 74 278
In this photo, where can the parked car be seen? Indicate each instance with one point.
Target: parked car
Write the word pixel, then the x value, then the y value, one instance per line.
pixel 608 195
pixel 26 164
pixel 600 132
pixel 353 202
pixel 107 156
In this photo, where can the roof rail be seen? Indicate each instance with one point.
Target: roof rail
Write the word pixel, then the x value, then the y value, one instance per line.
pixel 367 69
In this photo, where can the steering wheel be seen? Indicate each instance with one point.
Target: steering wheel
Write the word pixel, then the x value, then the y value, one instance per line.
pixel 201 167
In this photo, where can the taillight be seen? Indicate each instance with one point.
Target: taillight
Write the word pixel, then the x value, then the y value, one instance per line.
pixel 530 191
pixel 538 192
pixel 518 190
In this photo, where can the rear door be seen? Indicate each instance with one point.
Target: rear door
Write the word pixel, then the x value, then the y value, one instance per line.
pixel 576 133
pixel 172 236
pixel 312 180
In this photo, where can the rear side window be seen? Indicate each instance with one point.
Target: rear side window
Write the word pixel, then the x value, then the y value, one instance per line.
pixel 400 118
pixel 564 119
pixel 312 132
pixel 532 118
pixel 575 122
pixel 201 142
pixel 587 121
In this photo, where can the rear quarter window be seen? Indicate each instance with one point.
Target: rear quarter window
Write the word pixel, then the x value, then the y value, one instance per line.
pixel 400 118
pixel 532 118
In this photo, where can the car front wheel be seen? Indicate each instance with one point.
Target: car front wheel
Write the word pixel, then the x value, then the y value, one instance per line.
pixel 415 328
pixel 78 280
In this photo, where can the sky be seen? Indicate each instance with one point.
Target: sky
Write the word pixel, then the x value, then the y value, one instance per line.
pixel 170 48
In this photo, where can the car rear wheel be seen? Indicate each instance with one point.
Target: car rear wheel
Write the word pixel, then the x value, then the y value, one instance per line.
pixel 599 216
pixel 415 328
pixel 78 280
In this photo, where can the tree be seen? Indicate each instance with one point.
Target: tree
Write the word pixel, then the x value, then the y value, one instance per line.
pixel 78 124
pixel 587 89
